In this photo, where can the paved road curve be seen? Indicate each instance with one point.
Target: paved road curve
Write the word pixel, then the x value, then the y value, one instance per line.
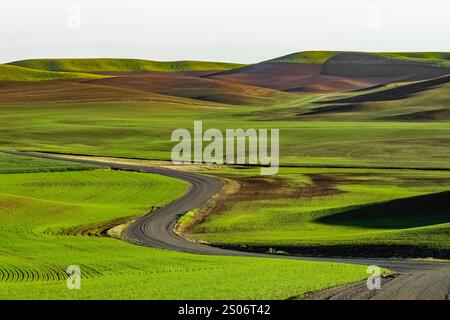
pixel 417 279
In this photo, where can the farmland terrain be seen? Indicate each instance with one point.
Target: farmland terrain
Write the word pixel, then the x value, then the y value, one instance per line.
pixel 364 149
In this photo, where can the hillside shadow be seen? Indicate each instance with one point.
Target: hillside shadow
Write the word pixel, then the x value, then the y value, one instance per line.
pixel 406 213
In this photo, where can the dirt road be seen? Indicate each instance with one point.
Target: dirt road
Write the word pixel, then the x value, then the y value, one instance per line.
pixel 415 279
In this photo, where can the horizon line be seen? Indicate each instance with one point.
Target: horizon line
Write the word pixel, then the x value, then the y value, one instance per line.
pixel 217 61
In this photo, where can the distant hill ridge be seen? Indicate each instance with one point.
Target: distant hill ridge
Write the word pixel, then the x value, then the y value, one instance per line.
pixel 441 59
pixel 122 65
pixel 16 73
pixel 308 71
pixel 337 71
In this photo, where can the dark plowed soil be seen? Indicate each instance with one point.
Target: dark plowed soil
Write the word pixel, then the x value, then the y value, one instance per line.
pixel 291 77
pixel 395 93
pixel 72 91
pixel 346 71
pixel 360 65
pixel 331 109
pixel 143 86
pixel 348 250
pixel 192 85
pixel 429 115
pixel 261 188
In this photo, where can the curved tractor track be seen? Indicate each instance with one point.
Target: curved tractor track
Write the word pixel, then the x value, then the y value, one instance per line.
pixel 414 279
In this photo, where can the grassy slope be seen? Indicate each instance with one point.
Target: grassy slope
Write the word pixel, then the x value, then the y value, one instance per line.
pixel 133 65
pixel 18 73
pixel 14 164
pixel 35 251
pixel 314 57
pixel 319 57
pixel 121 65
pixel 437 58
pixel 432 104
pixel 321 220
pixel 143 130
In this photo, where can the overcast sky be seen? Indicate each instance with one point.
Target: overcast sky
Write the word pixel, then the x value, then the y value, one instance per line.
pixel 226 30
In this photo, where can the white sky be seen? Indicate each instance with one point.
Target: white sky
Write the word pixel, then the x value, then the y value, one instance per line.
pixel 226 30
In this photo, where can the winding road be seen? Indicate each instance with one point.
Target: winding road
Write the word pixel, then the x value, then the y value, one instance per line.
pixel 415 279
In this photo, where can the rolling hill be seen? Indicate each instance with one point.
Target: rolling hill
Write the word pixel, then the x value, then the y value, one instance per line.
pixel 319 57
pixel 69 91
pixel 427 100
pixel 188 85
pixel 328 71
pixel 269 82
pixel 17 73
pixel 129 80
pixel 121 65
pixel 158 87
